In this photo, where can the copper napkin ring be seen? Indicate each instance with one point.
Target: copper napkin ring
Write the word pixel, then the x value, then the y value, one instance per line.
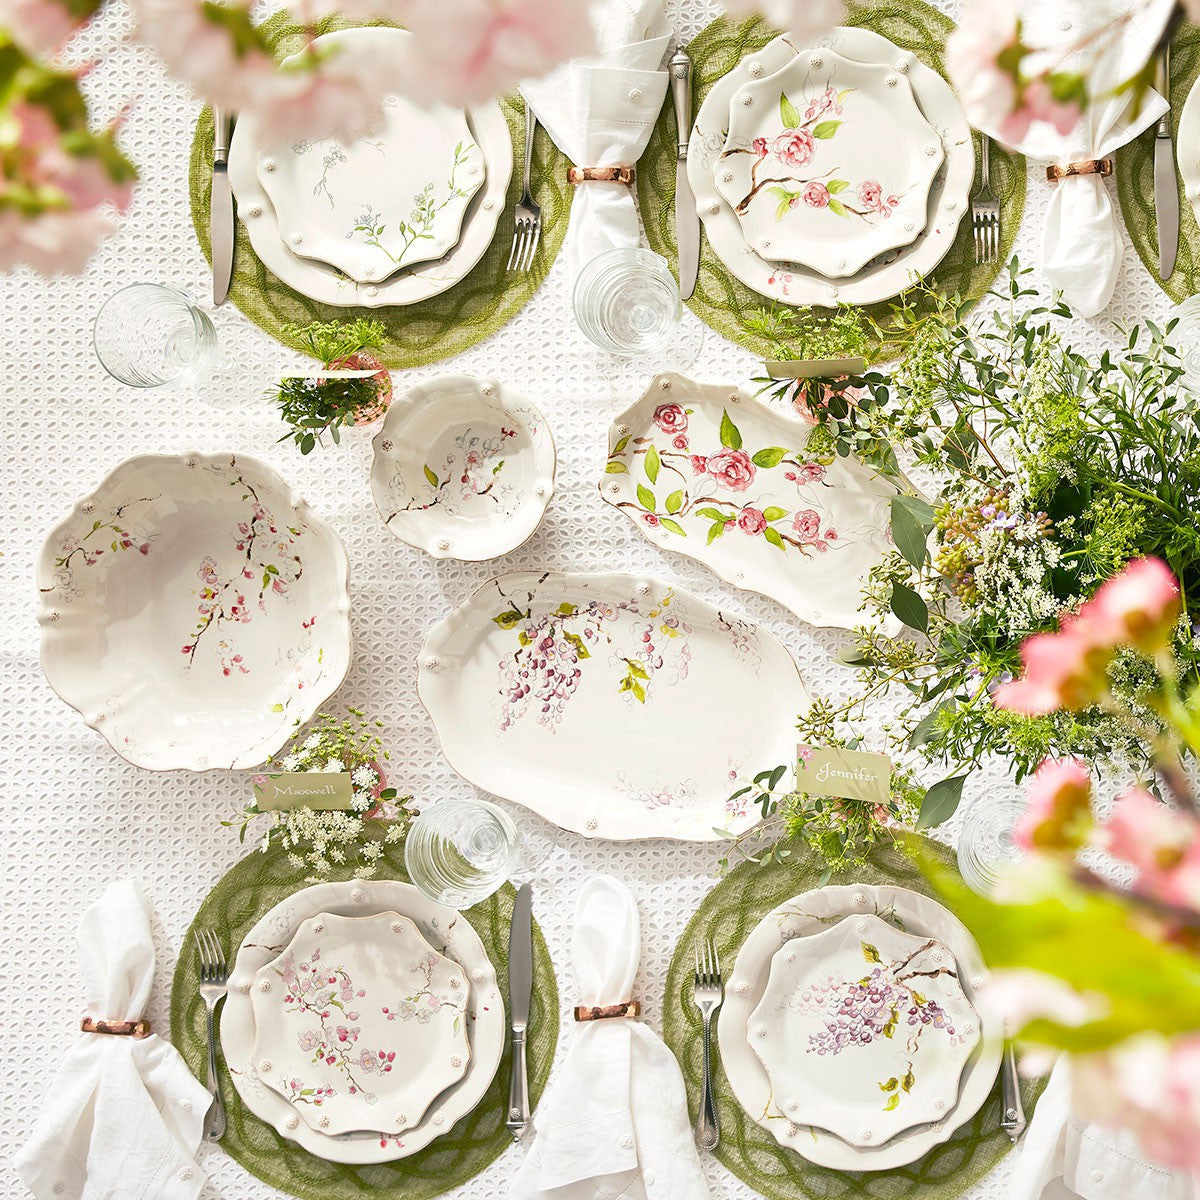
pixel 1091 166
pixel 136 1029
pixel 578 175
pixel 629 1009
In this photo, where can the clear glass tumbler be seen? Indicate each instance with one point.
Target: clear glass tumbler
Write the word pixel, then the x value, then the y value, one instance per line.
pixel 986 845
pixel 1186 339
pixel 148 335
pixel 458 852
pixel 627 301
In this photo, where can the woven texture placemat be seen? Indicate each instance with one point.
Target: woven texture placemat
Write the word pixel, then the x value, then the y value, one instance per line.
pixel 723 303
pixel 245 893
pixel 417 334
pixel 728 914
pixel 1134 170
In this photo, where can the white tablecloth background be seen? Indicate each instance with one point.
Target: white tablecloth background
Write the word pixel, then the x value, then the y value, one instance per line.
pixel 77 816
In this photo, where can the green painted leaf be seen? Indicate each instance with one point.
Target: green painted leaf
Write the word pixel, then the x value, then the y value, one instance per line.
pixel 893 1101
pixel 619 448
pixel 645 498
pixel 731 437
pixel 781 208
pixel 716 530
pixel 909 607
pixel 838 208
pixel 941 801
pixel 788 113
pixel 433 479
pixel 675 501
pixel 912 523
pixel 890 1086
pixel 653 465
pixel 616 468
pixel 824 130
pixel 673 526
pixel 772 456
pixel 774 513
pixel 870 953
pixel 835 187
pixel 715 514
pixel 509 620
pixel 773 536
pixel 567 609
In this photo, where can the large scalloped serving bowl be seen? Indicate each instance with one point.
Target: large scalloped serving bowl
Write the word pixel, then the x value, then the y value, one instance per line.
pixel 193 610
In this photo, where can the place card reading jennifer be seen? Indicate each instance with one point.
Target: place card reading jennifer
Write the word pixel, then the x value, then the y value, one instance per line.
pixel 320 790
pixel 848 774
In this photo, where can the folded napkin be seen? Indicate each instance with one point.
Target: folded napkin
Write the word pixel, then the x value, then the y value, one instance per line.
pixel 124 1116
pixel 1082 246
pixel 600 111
pixel 615 1122
pixel 1063 1158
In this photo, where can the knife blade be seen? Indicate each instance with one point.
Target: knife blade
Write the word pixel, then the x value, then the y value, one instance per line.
pixel 520 989
pixel 1166 188
pixel 687 221
pixel 220 219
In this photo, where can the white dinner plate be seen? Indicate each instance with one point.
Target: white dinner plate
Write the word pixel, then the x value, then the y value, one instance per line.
pixel 1188 143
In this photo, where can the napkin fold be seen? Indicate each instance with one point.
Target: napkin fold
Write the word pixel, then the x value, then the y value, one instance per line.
pixel 1082 246
pixel 124 1116
pixel 599 111
pixel 615 1122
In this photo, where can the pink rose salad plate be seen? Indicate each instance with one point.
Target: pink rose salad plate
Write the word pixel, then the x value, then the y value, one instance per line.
pixel 723 477
pixel 194 611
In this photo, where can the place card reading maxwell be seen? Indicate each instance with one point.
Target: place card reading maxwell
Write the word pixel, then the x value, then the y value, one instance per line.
pixel 320 790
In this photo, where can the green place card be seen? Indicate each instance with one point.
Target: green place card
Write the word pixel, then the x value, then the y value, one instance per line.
pixel 848 774
pixel 320 790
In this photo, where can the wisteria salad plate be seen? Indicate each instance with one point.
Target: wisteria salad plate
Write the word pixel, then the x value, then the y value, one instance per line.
pixel 195 611
pixel 448 933
pixel 612 705
pixel 725 478
pixel 810 915
pixel 463 468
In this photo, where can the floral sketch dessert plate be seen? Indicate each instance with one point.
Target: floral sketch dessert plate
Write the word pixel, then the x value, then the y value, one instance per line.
pixel 369 206
pixel 364 1013
pixel 810 914
pixel 463 468
pixel 611 705
pixel 194 611
pixel 445 930
pixel 828 162
pixel 723 477
pixel 891 273
pixel 321 282
pixel 864 1030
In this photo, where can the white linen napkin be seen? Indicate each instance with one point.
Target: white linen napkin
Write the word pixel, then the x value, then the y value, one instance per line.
pixel 599 111
pixel 615 1122
pixel 1063 1158
pixel 124 1116
pixel 1082 245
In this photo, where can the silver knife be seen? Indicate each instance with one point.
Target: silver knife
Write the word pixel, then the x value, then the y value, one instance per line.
pixel 220 220
pixel 1166 188
pixel 687 222
pixel 520 988
pixel 1013 1119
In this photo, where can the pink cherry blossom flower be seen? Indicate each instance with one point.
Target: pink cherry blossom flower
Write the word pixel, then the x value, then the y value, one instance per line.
pixel 1147 834
pixel 699 464
pixel 759 146
pixel 1059 672
pixel 751 521
pixel 815 195
pixel 56 242
pixel 1041 105
pixel 795 148
pixel 680 442
pixel 803 19
pixel 807 525
pixel 1138 607
pixel 988 90
pixel 1059 815
pixel 732 468
pixel 670 418
pixel 40 27
pixel 651 519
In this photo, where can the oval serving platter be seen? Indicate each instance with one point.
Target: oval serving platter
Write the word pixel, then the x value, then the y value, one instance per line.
pixel 611 705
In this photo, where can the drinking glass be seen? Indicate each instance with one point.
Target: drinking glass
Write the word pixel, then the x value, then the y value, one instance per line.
pixel 1186 339
pixel 986 845
pixel 148 335
pixel 458 852
pixel 627 301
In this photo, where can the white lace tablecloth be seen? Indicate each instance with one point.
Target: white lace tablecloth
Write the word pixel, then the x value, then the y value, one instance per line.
pixel 77 816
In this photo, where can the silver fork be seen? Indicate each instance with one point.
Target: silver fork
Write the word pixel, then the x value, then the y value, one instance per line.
pixel 528 231
pixel 213 985
pixel 985 210
pixel 707 994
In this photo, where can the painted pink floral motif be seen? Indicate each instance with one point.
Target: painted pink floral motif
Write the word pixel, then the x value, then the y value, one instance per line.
pixel 872 197
pixel 671 418
pixel 732 468
pixel 90 548
pixel 795 148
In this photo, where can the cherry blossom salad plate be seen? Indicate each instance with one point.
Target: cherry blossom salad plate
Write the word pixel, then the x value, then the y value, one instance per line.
pixel 828 162
pixel 194 611
pixel 809 915
pixel 463 468
pixel 723 477
pixel 448 933
pixel 364 1014
pixel 328 285
pixel 369 206
pixel 611 705
pixel 864 1030
pixel 884 276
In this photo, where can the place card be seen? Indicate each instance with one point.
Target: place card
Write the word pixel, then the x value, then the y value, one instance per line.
pixel 847 774
pixel 815 368
pixel 323 791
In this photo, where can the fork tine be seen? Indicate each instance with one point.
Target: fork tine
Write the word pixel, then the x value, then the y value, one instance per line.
pixel 202 952
pixel 716 958
pixel 533 244
pixel 696 953
pixel 995 237
pixel 524 241
pixel 220 953
pixel 527 247
pixel 975 231
pixel 512 255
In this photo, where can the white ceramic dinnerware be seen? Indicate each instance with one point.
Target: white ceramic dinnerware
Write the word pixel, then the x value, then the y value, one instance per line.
pixel 809 914
pixel 1187 142
pixel 445 930
pixel 892 273
pixel 828 162
pixel 369 206
pixel 324 283
pixel 723 477
pixel 864 1030
pixel 463 468
pixel 194 611
pixel 360 1023
pixel 611 705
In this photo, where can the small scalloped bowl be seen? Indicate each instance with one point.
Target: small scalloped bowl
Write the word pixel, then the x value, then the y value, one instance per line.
pixel 464 468
pixel 194 611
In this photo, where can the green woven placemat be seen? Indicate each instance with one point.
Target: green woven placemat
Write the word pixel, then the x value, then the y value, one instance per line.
pixel 418 334
pixel 244 894
pixel 720 301
pixel 727 915
pixel 1134 170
